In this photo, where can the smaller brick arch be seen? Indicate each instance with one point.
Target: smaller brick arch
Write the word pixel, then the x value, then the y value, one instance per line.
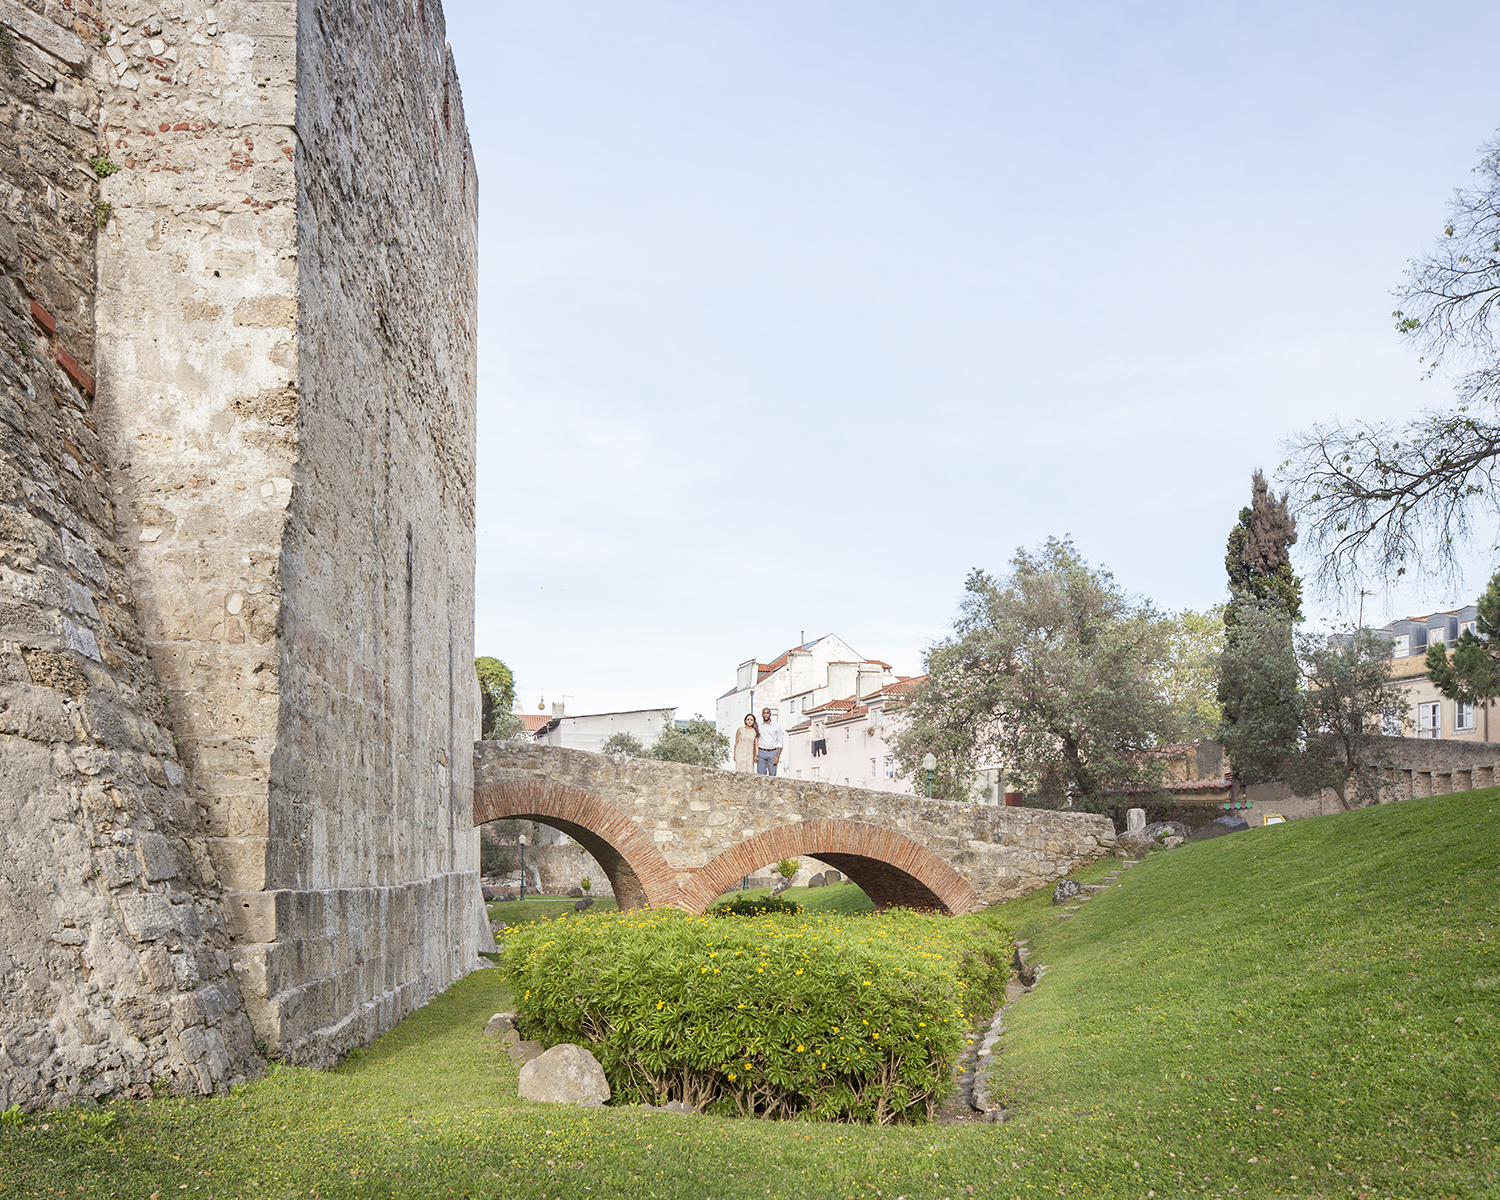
pixel 638 874
pixel 890 867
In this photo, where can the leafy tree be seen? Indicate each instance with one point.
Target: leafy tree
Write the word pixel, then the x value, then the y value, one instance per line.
pixel 1377 495
pixel 1050 671
pixel 1260 692
pixel 497 690
pixel 624 743
pixel 696 742
pixel 1471 671
pixel 1350 702
pixel 1188 674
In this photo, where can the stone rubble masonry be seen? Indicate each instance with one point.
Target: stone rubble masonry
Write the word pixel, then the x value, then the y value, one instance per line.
pixel 667 833
pixel 286 318
pixel 115 964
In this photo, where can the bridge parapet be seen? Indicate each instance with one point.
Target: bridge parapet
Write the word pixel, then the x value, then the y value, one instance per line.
pixel 668 833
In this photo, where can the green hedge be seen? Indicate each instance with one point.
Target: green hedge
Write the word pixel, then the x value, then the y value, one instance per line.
pixel 754 906
pixel 825 1017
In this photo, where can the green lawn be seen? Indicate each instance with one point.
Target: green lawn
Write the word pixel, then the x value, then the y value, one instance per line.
pixel 520 912
pixel 843 897
pixel 1304 1010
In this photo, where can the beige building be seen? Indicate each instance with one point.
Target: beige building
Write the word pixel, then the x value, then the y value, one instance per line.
pixel 1433 715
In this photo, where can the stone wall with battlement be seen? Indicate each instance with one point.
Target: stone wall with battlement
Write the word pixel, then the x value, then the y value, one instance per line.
pixel 667 833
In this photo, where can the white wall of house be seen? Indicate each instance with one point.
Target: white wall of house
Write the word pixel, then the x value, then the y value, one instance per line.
pixel 589 731
pixel 805 671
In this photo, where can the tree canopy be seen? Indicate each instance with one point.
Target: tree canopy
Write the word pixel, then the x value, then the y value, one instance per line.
pixel 696 742
pixel 1258 557
pixel 1187 675
pixel 1379 496
pixel 623 743
pixel 497 692
pixel 1470 672
pixel 1349 701
pixel 1050 671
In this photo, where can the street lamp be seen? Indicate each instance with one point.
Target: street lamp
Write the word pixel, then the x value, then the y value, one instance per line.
pixel 929 764
pixel 522 840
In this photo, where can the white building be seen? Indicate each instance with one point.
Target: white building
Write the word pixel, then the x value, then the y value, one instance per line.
pixel 790 684
pixel 823 687
pixel 590 731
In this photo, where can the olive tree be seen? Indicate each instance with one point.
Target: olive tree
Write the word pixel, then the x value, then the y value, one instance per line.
pixel 1050 670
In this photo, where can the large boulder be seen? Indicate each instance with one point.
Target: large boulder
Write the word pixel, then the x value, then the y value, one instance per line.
pixel 1158 830
pixel 1135 820
pixel 575 891
pixel 1218 828
pixel 1066 890
pixel 1134 845
pixel 565 1074
pixel 782 883
pixel 580 905
pixel 831 877
pixel 499 1023
pixel 816 881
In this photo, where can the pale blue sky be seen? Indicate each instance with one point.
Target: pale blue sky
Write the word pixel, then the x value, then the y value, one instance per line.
pixel 792 313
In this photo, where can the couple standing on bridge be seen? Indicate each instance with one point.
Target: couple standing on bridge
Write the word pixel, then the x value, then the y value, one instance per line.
pixel 759 743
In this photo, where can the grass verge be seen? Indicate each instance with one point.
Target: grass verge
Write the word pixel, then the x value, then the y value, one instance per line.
pixel 1317 970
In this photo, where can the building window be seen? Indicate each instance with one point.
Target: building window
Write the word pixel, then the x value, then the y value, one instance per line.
pixel 1437 637
pixel 1468 627
pixel 890 767
pixel 1463 715
pixel 1402 645
pixel 846 733
pixel 1429 724
pixel 872 768
pixel 799 774
pixel 815 771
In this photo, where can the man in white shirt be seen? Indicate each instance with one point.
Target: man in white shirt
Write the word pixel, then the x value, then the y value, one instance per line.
pixel 772 741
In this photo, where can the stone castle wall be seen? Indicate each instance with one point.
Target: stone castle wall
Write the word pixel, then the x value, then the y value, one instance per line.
pixel 237 702
pixel 286 313
pixel 115 965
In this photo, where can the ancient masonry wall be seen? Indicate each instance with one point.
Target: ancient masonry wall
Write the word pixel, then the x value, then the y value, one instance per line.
pixel 115 967
pixel 286 322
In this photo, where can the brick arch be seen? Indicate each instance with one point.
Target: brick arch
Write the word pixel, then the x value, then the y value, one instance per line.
pixel 891 867
pixel 638 874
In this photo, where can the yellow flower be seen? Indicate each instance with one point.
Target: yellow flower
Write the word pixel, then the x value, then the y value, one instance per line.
pixel 659 1004
pixel 800 1049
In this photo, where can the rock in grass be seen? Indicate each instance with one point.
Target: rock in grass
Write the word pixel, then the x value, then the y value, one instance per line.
pixel 1165 829
pixel 832 877
pixel 816 881
pixel 575 891
pixel 499 1023
pixel 565 1074
pixel 1066 890
pixel 1134 845
pixel 1218 827
pixel 580 905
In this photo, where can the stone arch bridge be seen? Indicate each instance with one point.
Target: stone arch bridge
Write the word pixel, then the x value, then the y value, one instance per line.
pixel 671 834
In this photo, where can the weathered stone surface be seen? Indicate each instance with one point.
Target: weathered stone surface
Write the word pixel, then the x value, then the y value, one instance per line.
pixel 817 880
pixel 1164 829
pixel 222 797
pixel 500 1023
pixel 1066 890
pixel 306 595
pixel 668 833
pixel 565 1074
pixel 831 877
pixel 580 905
pixel 1134 844
pixel 1135 820
pixel 110 983
pixel 1218 828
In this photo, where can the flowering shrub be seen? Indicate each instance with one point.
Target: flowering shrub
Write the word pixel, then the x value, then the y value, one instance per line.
pixel 754 906
pixel 819 1016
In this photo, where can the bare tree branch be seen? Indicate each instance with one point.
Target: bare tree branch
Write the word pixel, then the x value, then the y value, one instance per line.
pixel 1379 498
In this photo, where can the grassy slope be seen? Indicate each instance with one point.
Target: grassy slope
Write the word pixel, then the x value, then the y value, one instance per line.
pixel 1291 958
